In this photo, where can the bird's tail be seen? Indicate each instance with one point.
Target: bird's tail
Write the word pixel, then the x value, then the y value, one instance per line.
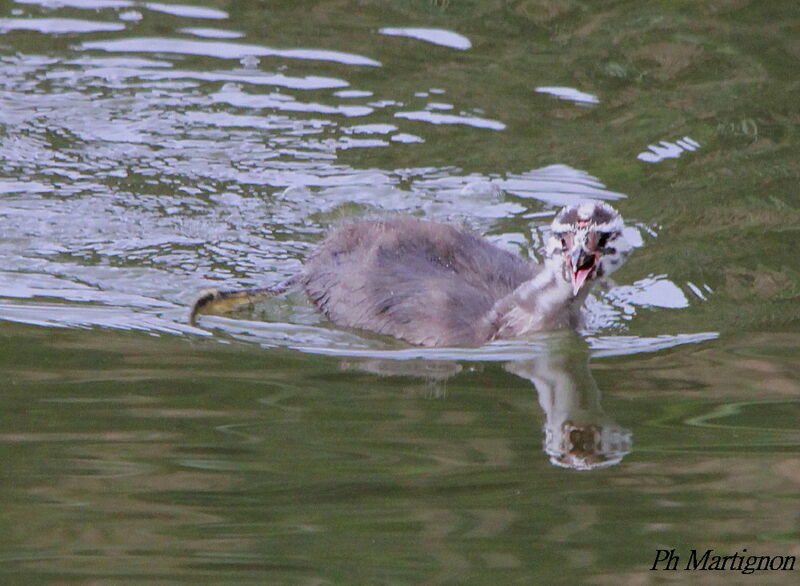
pixel 214 301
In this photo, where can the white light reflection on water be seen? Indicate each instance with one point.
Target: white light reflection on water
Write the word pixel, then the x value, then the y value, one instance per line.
pixel 602 346
pixel 12 186
pixel 407 138
pixel 182 10
pixel 283 102
pixel 569 94
pixel 84 4
pixel 352 94
pixel 653 291
pixel 131 16
pixel 622 302
pixel 186 11
pixel 369 129
pixel 436 36
pixel 211 33
pixel 58 26
pixel 221 49
pixel 118 71
pixel 115 62
pixel 668 150
pixel 436 118
pixel 558 185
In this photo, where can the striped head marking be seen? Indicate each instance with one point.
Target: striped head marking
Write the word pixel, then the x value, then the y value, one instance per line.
pixel 587 238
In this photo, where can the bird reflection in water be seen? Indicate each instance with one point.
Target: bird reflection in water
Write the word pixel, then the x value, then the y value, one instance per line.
pixel 578 434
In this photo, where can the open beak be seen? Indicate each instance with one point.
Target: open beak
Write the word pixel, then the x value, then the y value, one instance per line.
pixel 581 264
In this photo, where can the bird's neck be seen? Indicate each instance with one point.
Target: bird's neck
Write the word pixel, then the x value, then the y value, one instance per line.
pixel 545 302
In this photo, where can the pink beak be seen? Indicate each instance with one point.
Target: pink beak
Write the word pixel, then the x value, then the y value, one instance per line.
pixel 586 263
pixel 579 278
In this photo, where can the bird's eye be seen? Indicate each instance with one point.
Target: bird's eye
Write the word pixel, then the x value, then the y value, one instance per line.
pixel 566 239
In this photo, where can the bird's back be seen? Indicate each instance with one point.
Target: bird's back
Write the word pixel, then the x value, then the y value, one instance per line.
pixel 427 283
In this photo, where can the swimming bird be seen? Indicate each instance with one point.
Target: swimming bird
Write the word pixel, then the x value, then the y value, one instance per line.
pixel 435 284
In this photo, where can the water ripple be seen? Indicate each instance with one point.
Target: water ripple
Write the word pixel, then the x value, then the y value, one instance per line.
pixel 220 49
pixel 436 118
pixel 81 4
pixel 558 185
pixel 436 36
pixel 187 11
pixel 116 72
pixel 668 150
pixel 57 26
pixel 286 103
pixel 185 178
pixel 211 33
pixel 570 94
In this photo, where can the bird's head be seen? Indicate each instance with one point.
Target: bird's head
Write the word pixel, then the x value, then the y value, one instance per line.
pixel 587 240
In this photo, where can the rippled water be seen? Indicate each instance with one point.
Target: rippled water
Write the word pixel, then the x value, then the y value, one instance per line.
pixel 150 150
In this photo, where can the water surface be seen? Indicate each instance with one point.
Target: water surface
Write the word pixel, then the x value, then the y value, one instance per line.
pixel 150 150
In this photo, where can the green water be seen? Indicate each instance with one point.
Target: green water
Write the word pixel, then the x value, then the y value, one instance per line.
pixel 150 150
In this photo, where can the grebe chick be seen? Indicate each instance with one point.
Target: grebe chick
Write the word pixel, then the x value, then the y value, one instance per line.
pixel 434 284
